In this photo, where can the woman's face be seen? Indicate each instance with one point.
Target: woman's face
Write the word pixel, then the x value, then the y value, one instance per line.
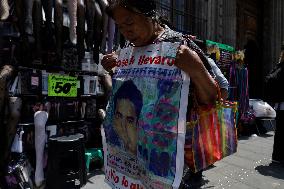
pixel 135 27
pixel 125 120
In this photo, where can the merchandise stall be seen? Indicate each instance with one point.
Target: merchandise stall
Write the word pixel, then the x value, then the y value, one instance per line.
pixel 52 85
pixel 231 63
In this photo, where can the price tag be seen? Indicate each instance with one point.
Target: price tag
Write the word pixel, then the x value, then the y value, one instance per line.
pixel 62 85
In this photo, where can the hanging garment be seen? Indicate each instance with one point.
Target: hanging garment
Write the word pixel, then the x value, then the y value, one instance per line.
pixel 58 21
pixel 40 119
pixel 15 105
pixel 12 7
pixel 98 35
pixel 110 35
pixel 94 28
pixel 29 16
pixel 72 11
pixel 48 38
pixel 103 4
pixel 5 75
pixel 81 29
pixel 90 14
pixel 70 57
pixel 37 27
pixel 17 145
pixel 19 13
pixel 4 9
pixel 47 6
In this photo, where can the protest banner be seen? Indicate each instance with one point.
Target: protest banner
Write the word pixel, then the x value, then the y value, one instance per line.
pixel 146 118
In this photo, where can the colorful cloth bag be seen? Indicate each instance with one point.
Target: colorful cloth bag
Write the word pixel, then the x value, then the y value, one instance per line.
pixel 210 134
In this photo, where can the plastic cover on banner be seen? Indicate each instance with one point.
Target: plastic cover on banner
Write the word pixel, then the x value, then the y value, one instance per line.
pixel 145 119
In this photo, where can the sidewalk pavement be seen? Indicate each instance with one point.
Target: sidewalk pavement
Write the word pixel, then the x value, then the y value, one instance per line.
pixel 249 168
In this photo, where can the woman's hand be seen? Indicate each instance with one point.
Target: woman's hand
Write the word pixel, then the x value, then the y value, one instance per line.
pixel 205 87
pixel 109 61
pixel 188 61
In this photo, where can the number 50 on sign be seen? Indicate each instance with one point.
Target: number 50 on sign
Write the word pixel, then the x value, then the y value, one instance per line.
pixel 62 85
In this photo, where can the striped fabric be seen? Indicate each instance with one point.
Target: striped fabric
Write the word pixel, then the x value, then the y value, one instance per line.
pixel 4 9
pixel 210 135
pixel 29 16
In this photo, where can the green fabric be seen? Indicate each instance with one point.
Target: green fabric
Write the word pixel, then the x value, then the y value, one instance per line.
pixel 93 154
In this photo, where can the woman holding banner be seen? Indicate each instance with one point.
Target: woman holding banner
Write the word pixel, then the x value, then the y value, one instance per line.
pixel 160 62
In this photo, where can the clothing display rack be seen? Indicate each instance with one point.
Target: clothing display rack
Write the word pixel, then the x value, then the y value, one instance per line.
pixel 51 79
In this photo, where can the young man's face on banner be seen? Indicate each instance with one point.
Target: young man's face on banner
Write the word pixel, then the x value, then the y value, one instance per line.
pixel 124 123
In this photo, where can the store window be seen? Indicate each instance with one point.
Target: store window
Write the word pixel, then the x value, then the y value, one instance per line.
pixel 184 16
pixel 180 14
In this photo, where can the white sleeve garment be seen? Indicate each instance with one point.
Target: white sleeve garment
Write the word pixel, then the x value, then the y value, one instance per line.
pixel 40 119
pixel 220 78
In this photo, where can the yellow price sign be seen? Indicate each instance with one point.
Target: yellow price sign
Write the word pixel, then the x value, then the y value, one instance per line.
pixel 62 85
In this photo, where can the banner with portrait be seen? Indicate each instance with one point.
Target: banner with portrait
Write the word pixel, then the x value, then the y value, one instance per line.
pixel 145 121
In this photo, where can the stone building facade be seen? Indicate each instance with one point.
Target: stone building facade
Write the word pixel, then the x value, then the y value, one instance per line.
pixel 254 25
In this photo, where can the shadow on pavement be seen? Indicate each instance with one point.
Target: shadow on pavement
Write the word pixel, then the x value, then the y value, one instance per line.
pixel 94 173
pixel 266 135
pixel 203 184
pixel 193 184
pixel 248 137
pixel 273 169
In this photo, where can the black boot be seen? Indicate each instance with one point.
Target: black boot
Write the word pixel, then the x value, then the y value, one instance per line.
pixel 29 16
pixel 81 29
pixel 37 23
pixel 97 32
pixel 90 15
pixel 103 4
pixel 50 41
pixel 58 20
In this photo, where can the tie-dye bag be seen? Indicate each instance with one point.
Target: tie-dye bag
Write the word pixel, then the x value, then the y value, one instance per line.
pixel 210 134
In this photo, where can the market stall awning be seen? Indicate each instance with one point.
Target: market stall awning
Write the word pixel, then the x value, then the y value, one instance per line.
pixel 221 46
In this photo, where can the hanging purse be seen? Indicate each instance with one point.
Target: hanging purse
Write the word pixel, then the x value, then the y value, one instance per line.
pixel 210 133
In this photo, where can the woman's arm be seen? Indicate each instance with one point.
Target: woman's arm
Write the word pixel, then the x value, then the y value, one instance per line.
pixel 205 87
